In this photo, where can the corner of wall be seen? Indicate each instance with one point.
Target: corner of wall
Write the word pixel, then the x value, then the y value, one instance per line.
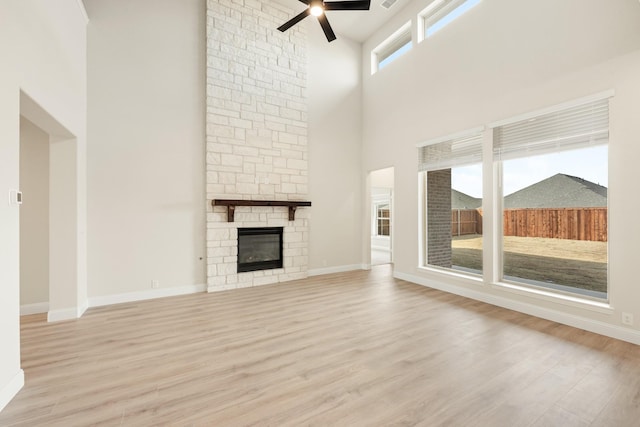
pixel 12 388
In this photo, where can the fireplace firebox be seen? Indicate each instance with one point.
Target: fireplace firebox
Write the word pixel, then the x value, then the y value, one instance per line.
pixel 259 248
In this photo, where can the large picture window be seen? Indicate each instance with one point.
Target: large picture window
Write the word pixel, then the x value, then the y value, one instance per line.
pixel 554 199
pixel 452 181
pixel 548 206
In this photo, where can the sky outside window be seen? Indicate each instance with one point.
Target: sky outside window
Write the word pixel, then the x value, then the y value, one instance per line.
pixel 586 163
pixel 394 55
pixel 451 16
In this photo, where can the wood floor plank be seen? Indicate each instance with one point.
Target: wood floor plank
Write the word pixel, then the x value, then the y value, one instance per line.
pixel 347 349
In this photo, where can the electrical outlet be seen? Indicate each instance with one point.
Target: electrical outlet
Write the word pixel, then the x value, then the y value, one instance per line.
pixel 627 319
pixel 15 197
pixel 155 284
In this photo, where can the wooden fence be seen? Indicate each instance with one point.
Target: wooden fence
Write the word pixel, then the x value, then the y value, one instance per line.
pixel 466 221
pixel 556 223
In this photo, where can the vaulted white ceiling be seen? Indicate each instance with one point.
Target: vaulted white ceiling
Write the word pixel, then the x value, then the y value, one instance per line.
pixel 355 25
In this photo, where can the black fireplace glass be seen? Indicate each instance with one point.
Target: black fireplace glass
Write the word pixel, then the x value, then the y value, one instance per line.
pixel 259 248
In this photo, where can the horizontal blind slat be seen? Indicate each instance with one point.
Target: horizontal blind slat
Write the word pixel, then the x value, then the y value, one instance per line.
pixel 579 126
pixel 398 42
pixel 454 152
pixel 439 10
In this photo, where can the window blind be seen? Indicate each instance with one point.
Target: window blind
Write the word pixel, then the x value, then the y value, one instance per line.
pixel 458 151
pixel 437 10
pixel 394 43
pixel 571 128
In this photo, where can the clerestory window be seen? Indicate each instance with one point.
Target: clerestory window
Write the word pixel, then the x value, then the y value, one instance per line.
pixel 441 13
pixel 392 48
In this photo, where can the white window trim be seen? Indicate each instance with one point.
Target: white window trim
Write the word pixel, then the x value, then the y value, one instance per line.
pixel 457 135
pixel 596 305
pixel 555 108
pixel 386 44
pixel 433 13
pixel 377 218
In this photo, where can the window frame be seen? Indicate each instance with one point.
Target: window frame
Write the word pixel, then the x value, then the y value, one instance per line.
pixel 437 11
pixel 534 149
pixel 392 45
pixel 467 149
pixel 380 219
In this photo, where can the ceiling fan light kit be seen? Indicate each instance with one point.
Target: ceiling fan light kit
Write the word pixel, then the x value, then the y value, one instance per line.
pixel 318 8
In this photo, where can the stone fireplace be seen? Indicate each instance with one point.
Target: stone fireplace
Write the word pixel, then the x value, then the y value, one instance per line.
pixel 256 137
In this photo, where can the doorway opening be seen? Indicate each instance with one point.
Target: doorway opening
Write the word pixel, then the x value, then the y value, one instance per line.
pixel 34 218
pixel 381 196
pixel 50 215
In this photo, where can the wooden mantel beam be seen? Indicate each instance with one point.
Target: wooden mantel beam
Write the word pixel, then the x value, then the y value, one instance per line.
pixel 231 205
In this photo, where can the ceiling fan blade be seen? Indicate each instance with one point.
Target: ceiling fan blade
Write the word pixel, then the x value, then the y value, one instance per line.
pixel 326 27
pixel 293 21
pixel 305 1
pixel 347 5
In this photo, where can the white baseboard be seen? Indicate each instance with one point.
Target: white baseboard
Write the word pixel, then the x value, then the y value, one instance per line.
pixel 82 308
pixel 221 288
pixel 145 295
pixel 337 269
pixel 62 314
pixel 36 308
pixel 590 325
pixel 77 312
pixel 9 391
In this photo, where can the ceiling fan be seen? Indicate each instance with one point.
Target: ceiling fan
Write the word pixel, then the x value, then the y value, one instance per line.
pixel 318 8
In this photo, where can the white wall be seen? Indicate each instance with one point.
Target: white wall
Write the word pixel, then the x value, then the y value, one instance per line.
pixel 146 65
pixel 382 178
pixel 501 59
pixel 335 144
pixel 146 161
pixel 42 45
pixel 34 214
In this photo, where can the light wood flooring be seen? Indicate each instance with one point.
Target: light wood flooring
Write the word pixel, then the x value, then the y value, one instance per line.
pixel 352 349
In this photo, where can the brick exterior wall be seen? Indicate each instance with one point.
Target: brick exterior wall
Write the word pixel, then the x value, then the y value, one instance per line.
pixel 439 218
pixel 256 135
